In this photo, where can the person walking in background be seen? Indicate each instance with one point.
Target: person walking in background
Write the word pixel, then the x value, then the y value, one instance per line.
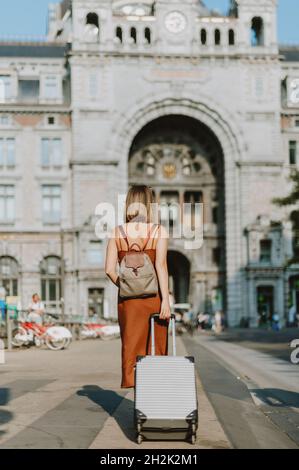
pixel 141 234
pixel 292 316
pixel 36 310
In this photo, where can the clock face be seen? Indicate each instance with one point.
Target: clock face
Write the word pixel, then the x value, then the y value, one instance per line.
pixel 175 22
pixel 294 91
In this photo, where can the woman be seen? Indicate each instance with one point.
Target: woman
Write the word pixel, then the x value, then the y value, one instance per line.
pixel 139 233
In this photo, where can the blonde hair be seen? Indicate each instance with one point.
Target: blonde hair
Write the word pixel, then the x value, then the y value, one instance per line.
pixel 138 204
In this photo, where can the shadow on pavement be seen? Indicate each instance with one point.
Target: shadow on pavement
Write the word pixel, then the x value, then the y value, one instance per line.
pixel 5 416
pixel 278 398
pixel 109 400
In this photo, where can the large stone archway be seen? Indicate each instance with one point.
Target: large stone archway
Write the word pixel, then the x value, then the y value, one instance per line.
pixel 227 132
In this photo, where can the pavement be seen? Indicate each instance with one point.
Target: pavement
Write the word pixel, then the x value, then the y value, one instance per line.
pixel 255 395
pixel 72 399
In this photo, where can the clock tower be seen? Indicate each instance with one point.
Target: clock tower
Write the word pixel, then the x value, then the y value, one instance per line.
pixel 176 25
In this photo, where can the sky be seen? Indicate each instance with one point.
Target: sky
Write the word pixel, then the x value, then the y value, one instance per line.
pixel 28 17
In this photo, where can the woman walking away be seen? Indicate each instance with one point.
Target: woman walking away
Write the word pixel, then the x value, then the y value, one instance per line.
pixel 139 249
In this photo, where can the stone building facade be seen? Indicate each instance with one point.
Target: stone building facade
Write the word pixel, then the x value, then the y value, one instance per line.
pixel 202 107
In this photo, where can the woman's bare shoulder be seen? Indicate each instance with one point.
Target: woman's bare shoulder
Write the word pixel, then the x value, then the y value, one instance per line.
pixel 162 232
pixel 114 232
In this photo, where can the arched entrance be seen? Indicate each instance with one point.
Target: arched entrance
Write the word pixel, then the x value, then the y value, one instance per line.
pixel 182 160
pixel 179 274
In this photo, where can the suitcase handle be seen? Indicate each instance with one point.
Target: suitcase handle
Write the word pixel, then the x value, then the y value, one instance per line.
pixel 172 318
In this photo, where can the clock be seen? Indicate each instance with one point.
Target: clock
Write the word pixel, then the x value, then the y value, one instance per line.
pixel 175 22
pixel 294 91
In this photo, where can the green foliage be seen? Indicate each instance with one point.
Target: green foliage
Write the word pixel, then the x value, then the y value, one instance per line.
pixel 293 197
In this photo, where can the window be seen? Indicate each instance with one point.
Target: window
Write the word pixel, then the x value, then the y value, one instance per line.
pixel 119 34
pixel 216 256
pixel 94 253
pixel 51 204
pixel 51 120
pixel 51 153
pixel 7 203
pixel 7 152
pixel 257 31
pixel 9 273
pixel 133 34
pixel 5 88
pixel 203 37
pixel 4 120
pixel 193 211
pixel 92 19
pixel 51 279
pixel 96 302
pixel 52 91
pixel 292 152
pixel 92 25
pixel 295 221
pixel 265 251
pixel 231 37
pixel 148 35
pixel 215 215
pixel 29 90
pixel 169 207
pixel 217 37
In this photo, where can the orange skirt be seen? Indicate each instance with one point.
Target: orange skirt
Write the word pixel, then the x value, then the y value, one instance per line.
pixel 134 322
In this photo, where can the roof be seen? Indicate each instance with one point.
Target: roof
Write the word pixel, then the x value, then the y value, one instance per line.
pixel 289 53
pixel 32 50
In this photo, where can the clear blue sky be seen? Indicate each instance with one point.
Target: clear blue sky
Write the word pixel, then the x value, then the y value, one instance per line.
pixel 28 17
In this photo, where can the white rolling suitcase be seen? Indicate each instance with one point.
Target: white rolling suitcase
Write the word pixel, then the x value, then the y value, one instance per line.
pixel 165 394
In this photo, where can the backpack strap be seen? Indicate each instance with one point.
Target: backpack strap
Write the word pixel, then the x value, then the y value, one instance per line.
pixel 151 231
pixel 123 233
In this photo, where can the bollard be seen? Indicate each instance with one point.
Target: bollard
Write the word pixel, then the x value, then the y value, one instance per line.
pixel 2 352
pixel 8 330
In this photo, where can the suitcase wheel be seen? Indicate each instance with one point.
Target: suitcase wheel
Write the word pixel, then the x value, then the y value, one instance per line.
pixel 139 438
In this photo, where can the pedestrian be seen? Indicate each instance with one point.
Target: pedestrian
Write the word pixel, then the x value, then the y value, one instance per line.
pixel 217 327
pixel 275 322
pixel 36 310
pixel 139 243
pixel 292 316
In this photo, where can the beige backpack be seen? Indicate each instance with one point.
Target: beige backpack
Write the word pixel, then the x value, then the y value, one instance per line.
pixel 137 275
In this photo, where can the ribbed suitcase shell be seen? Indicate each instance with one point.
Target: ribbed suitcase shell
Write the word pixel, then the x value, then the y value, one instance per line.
pixel 165 395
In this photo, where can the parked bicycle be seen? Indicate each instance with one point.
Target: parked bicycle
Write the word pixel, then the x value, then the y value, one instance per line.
pixel 53 336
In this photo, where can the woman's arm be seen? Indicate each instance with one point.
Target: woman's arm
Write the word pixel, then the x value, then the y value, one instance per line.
pixel 111 260
pixel 162 271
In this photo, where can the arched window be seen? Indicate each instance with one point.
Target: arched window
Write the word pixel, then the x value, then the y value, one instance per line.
pixel 9 273
pixel 51 279
pixel 119 34
pixel 92 24
pixel 93 19
pixel 203 36
pixel 231 37
pixel 217 37
pixel 133 34
pixel 257 31
pixel 295 221
pixel 148 35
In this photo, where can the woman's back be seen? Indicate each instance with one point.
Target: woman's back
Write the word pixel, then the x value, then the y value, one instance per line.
pixel 137 236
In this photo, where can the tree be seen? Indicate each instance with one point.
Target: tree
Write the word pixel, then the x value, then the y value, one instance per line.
pixel 293 197
pixel 290 200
